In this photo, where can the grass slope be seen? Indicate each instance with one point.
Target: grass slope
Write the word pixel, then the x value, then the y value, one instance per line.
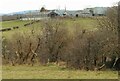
pixel 82 23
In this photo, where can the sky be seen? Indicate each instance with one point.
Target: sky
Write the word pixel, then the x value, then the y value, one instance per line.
pixel 9 6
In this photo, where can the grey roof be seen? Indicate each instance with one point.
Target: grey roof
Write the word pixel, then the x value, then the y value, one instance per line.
pixel 61 12
pixel 100 10
pixel 96 10
pixel 72 12
pixel 86 11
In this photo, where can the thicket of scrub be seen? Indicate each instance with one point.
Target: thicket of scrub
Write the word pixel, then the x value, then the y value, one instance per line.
pixel 55 43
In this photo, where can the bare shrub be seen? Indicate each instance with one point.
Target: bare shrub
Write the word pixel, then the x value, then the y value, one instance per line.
pixel 22 48
pixel 56 43
pixel 54 40
pixel 109 34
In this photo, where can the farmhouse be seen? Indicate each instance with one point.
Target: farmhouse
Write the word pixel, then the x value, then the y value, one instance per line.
pixel 100 11
pixel 61 13
pixel 53 13
pixel 89 12
pixel 45 14
pixel 85 13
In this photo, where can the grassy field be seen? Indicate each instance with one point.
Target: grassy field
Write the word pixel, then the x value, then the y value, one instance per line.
pixel 53 72
pixel 12 23
pixel 83 23
pixel 22 28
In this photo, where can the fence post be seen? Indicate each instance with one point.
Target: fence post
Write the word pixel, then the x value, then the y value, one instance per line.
pixel 119 28
pixel 119 35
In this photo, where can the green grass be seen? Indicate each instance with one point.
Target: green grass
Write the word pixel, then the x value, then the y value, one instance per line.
pixel 9 34
pixel 53 72
pixel 84 22
pixel 7 24
pixel 71 24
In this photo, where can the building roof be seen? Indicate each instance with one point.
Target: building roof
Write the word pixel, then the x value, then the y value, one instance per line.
pixel 61 12
pixel 100 10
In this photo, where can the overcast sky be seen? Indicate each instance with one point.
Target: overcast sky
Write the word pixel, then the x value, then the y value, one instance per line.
pixel 8 6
